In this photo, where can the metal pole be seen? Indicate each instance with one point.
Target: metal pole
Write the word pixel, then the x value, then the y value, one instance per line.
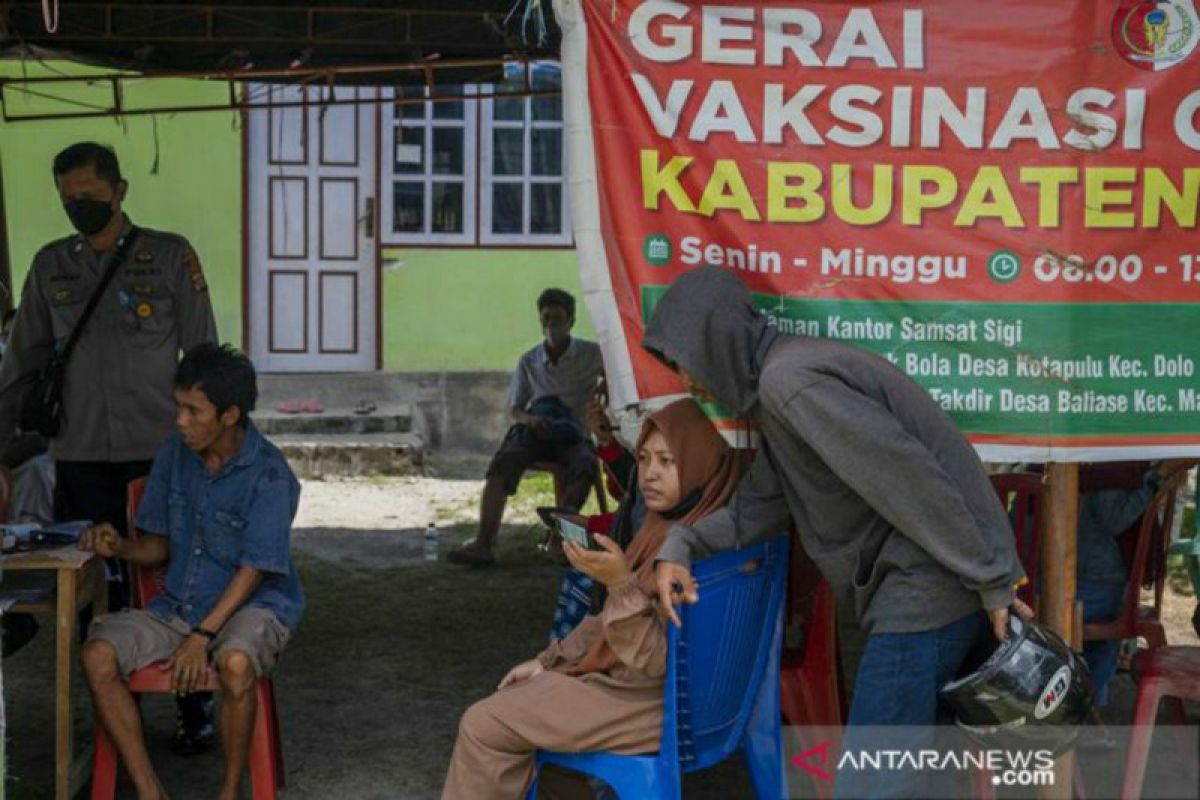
pixel 288 74
pixel 243 106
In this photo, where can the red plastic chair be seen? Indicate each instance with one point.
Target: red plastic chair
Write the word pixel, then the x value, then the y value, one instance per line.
pixel 6 492
pixel 1021 495
pixel 812 692
pixel 266 750
pixel 1148 568
pixel 1172 672
pixel 1147 541
pixel 6 482
pixel 810 679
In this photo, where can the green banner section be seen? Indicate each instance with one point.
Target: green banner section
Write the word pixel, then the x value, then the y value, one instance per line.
pixel 1084 369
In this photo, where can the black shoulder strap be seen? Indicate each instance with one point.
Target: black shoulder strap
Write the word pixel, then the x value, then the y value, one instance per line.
pixel 115 258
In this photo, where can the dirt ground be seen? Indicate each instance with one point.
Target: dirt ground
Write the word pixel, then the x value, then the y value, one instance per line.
pixel 392 648
pixel 391 651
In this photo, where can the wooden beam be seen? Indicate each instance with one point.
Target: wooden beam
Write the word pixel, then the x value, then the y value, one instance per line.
pixel 7 292
pixel 1059 519
pixel 1056 609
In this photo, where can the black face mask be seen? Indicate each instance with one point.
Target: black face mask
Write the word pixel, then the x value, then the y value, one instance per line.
pixel 89 216
pixel 685 505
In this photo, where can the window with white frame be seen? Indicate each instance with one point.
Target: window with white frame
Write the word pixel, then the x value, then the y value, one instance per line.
pixel 429 162
pixel 523 196
pixel 432 186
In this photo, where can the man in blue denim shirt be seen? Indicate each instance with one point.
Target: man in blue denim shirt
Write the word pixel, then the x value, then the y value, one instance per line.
pixel 217 510
pixel 1101 573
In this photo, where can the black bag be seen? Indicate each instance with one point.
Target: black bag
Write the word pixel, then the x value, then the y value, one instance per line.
pixel 42 404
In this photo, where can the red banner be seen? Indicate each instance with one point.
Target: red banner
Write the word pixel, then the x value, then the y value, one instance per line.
pixel 999 197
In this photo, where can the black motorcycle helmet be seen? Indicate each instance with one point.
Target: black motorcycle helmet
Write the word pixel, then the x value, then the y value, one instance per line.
pixel 1034 690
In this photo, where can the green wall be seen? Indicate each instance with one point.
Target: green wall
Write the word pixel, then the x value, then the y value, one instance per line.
pixel 470 309
pixel 189 183
pixel 452 309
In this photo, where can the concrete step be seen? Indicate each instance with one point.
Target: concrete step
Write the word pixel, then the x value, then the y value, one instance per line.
pixel 387 418
pixel 352 454
pixel 451 410
pixel 338 388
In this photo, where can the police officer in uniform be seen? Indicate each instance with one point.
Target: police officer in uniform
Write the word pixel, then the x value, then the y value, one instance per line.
pixel 118 400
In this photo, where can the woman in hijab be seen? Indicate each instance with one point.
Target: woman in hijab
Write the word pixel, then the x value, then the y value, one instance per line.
pixel 601 687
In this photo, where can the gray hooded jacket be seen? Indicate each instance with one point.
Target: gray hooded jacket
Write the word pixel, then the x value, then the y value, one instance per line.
pixel 889 498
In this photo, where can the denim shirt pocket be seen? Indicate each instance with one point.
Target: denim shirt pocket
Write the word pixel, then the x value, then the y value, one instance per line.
pixel 223 538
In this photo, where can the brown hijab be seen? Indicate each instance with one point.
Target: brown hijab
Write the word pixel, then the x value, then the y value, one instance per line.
pixel 705 463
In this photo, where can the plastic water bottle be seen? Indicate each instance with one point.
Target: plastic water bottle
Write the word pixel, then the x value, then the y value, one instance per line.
pixel 431 542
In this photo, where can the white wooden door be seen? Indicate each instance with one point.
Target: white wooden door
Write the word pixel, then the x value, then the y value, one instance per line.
pixel 311 222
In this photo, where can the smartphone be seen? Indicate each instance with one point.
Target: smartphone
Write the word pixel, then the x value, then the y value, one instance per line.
pixel 570 532
pixel 550 514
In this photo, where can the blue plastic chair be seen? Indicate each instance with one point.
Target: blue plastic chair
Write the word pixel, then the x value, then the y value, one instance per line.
pixel 721 692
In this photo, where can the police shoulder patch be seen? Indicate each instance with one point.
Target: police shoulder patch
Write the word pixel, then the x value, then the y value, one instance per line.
pixel 192 262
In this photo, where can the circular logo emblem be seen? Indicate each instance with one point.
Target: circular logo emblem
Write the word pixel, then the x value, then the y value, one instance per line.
pixel 144 310
pixel 1054 693
pixel 1155 34
pixel 1004 266
pixel 657 250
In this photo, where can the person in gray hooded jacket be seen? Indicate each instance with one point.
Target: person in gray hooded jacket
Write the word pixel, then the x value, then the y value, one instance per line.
pixel 888 497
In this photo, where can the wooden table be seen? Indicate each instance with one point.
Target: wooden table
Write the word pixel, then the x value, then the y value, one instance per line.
pixel 80 581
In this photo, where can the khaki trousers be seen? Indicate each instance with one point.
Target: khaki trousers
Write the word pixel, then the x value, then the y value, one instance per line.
pixel 494 754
